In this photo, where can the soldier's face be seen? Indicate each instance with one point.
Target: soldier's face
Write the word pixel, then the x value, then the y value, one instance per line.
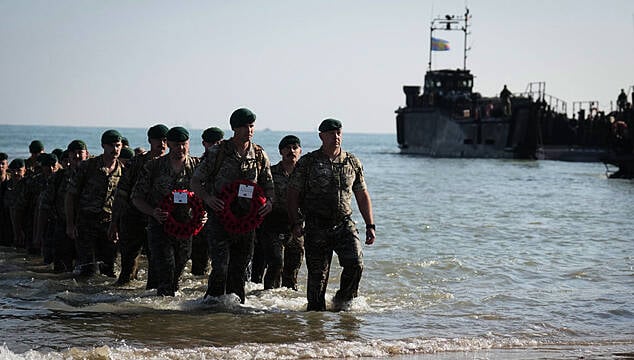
pixel 179 148
pixel 77 156
pixel 4 165
pixel 113 149
pixel 244 133
pixel 48 170
pixel 18 174
pixel 158 146
pixel 291 152
pixel 331 138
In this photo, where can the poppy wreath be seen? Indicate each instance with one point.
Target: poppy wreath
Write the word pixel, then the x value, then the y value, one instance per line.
pixel 183 230
pixel 240 224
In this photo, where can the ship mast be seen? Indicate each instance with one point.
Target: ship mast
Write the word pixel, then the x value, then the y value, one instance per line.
pixel 451 23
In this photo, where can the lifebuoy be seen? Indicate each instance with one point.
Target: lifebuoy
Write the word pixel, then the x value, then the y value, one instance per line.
pixel 240 224
pixel 183 230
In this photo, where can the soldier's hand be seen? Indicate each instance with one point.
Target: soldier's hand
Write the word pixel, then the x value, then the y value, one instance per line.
pixel 160 215
pixel 113 232
pixel 370 236
pixel 71 231
pixel 204 218
pixel 298 230
pixel 265 209
pixel 215 203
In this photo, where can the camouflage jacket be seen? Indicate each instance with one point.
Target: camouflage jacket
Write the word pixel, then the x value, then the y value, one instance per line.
pixel 278 218
pixel 326 187
pixel 28 193
pixel 52 198
pixel 157 179
pixel 223 165
pixel 94 186
pixel 122 205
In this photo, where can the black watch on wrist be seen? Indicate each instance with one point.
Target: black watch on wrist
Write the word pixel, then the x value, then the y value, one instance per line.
pixel 370 226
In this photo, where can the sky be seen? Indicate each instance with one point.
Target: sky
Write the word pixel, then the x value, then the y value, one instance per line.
pixel 292 62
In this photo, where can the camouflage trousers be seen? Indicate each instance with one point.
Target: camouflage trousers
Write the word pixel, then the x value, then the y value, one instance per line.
pixel 132 239
pixel 200 254
pixel 95 252
pixel 282 256
pixel 64 253
pixel 169 257
pixel 320 242
pixel 230 255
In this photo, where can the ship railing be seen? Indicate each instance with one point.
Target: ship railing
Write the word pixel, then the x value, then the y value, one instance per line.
pixel 556 104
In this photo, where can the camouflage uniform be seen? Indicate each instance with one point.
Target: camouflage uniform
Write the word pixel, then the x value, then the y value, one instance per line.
pixel 230 253
pixel 326 189
pixel 170 254
pixel 52 202
pixel 8 191
pixel 95 189
pixel 132 223
pixel 282 252
pixel 27 196
pixel 200 246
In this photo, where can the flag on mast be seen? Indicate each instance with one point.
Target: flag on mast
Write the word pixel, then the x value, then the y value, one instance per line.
pixel 439 44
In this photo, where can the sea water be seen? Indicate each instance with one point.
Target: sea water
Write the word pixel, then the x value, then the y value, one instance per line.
pixel 474 259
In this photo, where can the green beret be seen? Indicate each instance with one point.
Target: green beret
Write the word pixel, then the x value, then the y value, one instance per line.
pixel 212 135
pixel 329 124
pixel 158 131
pixel 47 159
pixel 178 134
pixel 126 153
pixel 241 117
pixel 77 145
pixel 3 156
pixel 36 146
pixel 58 153
pixel 124 141
pixel 111 136
pixel 16 164
pixel 289 140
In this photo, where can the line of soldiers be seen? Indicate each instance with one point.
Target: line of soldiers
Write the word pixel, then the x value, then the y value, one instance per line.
pixel 80 212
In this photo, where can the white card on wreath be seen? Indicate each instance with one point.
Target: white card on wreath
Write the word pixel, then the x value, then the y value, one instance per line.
pixel 180 197
pixel 246 191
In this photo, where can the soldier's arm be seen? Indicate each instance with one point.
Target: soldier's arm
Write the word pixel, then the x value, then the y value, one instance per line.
pixel 292 205
pixel 365 207
pixel 70 206
pixel 201 173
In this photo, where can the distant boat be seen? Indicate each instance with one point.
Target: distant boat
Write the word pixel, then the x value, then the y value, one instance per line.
pixel 449 119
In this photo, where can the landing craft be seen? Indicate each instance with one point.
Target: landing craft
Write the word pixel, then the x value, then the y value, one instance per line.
pixel 448 119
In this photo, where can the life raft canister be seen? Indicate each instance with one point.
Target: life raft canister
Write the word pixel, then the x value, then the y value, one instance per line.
pixel 241 224
pixel 183 198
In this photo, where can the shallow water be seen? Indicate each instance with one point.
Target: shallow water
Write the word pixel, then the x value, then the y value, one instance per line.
pixel 474 259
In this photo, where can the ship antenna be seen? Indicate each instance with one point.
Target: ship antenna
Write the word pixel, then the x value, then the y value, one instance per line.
pixel 449 23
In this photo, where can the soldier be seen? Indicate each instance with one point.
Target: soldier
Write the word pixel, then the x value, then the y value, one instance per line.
pixel 88 207
pixel 4 166
pixel 44 226
pixel 505 96
pixel 52 203
pixel 6 235
pixel 325 180
pixel 236 158
pixel 126 155
pixel 17 172
pixel 35 149
pixel 621 100
pixel 200 247
pixel 25 211
pixel 282 251
pixel 128 227
pixel 162 178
